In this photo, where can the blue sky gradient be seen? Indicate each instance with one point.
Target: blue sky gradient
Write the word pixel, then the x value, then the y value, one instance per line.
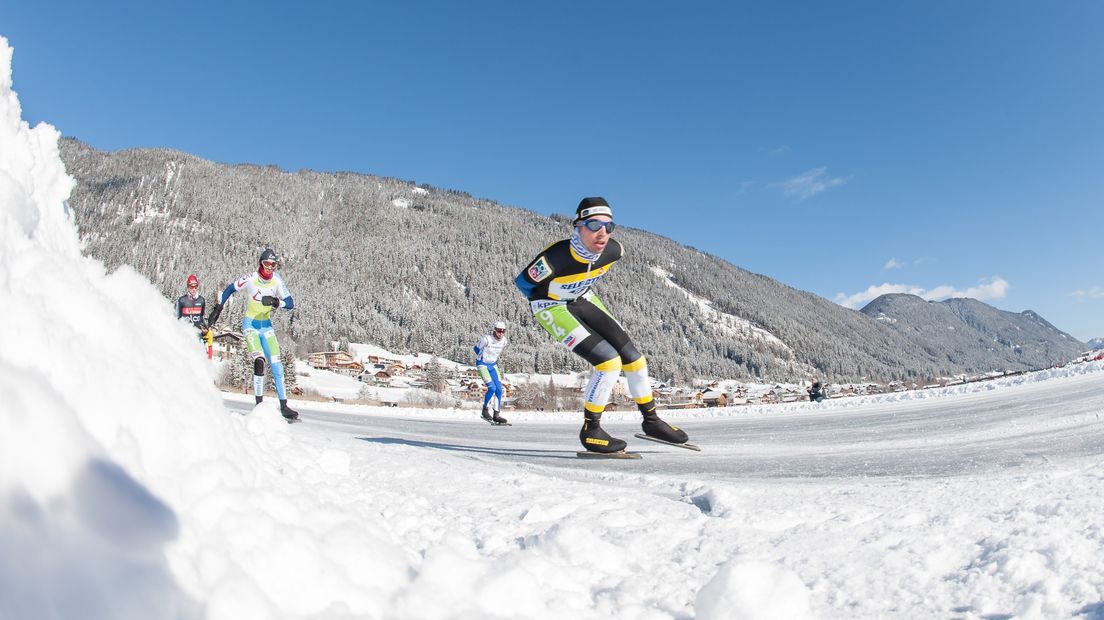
pixel 936 147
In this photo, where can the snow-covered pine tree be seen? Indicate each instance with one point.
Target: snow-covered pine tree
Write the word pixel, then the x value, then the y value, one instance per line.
pixel 436 377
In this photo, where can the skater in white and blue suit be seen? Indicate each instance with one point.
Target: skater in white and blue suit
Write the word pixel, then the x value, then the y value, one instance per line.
pixel 487 350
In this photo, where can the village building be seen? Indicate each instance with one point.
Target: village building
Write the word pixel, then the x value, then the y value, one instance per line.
pixel 336 361
pixel 713 397
pixel 226 346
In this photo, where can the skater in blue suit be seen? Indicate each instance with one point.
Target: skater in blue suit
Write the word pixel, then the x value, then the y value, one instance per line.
pixel 487 349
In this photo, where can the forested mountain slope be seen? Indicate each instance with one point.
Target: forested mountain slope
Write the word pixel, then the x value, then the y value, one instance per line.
pixel 416 268
pixel 970 333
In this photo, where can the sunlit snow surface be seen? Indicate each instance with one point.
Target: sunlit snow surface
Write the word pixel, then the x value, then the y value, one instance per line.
pixel 131 489
pixel 979 503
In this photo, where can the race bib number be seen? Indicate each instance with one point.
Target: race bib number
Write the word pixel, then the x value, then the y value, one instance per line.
pixel 548 320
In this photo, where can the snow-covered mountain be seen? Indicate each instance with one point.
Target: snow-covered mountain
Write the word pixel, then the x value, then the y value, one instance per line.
pixel 969 332
pixel 1096 343
pixel 416 268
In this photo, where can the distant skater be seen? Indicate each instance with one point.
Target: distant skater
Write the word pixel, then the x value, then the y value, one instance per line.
pixel 487 350
pixel 265 292
pixel 558 284
pixel 192 307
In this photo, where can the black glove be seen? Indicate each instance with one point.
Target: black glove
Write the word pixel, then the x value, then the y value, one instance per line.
pixel 213 316
pixel 269 300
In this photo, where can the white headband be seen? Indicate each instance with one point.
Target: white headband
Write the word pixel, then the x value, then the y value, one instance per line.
pixel 591 211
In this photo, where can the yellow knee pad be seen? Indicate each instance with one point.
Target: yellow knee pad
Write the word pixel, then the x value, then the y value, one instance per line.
pixel 611 365
pixel 639 364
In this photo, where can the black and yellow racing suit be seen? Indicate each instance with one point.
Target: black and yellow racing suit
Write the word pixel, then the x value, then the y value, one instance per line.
pixel 558 285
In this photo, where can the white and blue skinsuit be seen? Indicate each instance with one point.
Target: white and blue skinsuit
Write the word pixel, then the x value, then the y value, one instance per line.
pixel 260 338
pixel 487 349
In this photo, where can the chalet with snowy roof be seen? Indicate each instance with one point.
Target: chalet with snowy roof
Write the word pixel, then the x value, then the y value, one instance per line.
pixel 713 397
pixel 226 345
pixel 336 361
pixel 457 389
pixel 379 378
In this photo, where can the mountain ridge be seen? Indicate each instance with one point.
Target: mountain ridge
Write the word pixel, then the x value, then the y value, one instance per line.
pixel 413 267
pixel 969 328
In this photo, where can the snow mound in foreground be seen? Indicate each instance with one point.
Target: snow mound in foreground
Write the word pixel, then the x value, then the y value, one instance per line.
pixel 107 398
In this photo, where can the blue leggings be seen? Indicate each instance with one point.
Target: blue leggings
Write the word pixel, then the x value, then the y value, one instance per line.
pixel 489 373
pixel 261 342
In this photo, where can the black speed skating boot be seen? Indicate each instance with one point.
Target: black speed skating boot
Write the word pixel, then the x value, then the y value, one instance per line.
pixel 486 414
pixel 497 419
pixel 289 414
pixel 654 427
pixel 595 439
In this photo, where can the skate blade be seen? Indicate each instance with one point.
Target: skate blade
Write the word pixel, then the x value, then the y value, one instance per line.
pixel 493 423
pixel 688 446
pixel 608 455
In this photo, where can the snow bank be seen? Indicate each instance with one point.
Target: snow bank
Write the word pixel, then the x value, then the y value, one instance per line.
pixel 126 489
pixel 753 591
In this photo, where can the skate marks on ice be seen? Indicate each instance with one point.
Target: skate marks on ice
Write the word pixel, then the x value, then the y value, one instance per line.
pixel 487 450
pixel 1028 426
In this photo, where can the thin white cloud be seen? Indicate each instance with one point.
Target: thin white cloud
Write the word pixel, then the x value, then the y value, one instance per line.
pixel 892 264
pixel 808 184
pixel 1095 292
pixel 778 150
pixel 995 288
pixel 874 291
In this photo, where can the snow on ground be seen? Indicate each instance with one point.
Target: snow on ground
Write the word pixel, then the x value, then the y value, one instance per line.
pixel 327 383
pixel 729 323
pixel 981 501
pixel 343 387
pixel 571 380
pixel 131 488
pixel 361 352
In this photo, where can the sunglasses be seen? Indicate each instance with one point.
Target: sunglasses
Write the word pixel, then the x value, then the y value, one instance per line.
pixel 500 331
pixel 596 225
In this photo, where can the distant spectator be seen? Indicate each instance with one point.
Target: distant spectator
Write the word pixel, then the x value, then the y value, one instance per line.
pixel 816 391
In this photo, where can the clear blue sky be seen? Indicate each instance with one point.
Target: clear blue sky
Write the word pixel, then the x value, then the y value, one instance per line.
pixel 939 147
